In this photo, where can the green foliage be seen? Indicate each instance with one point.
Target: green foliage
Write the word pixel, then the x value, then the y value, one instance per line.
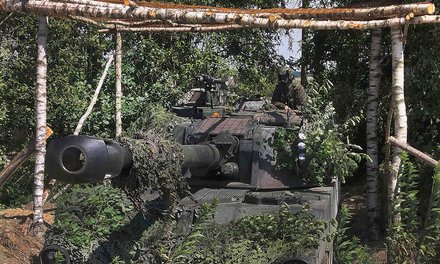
pixel 326 154
pixel 287 156
pixel 157 68
pixel 59 258
pixel 87 212
pixel 414 237
pixel 17 190
pixel 156 120
pixel 422 75
pixel 349 249
pixel 265 238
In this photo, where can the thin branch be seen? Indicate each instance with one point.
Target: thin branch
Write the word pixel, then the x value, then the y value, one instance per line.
pixel 135 23
pixel 86 20
pixel 6 19
pixel 94 98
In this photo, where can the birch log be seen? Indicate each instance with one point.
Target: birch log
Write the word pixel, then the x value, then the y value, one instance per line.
pixel 183 16
pixel 174 29
pixel 94 98
pixel 288 24
pixel 347 13
pixel 118 71
pixel 40 143
pixel 372 145
pixel 415 152
pixel 20 159
pixel 400 119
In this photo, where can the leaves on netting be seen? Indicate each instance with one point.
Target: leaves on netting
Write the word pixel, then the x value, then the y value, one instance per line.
pixel 157 161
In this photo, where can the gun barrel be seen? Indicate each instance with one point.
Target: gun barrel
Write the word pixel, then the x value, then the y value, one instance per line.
pixel 200 156
pixel 84 159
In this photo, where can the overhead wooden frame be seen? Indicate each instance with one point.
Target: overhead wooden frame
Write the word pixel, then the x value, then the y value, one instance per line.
pixel 127 15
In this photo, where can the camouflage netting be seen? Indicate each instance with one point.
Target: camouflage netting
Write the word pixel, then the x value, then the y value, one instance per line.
pixel 95 224
pixel 136 222
pixel 157 162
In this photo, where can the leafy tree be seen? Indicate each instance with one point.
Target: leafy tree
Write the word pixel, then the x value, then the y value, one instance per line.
pixel 157 68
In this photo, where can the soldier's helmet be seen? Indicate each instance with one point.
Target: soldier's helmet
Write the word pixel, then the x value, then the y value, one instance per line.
pixel 285 74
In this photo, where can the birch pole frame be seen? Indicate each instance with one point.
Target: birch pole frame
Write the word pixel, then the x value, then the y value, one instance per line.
pixel 118 88
pixel 400 117
pixel 40 142
pixel 344 13
pixel 213 17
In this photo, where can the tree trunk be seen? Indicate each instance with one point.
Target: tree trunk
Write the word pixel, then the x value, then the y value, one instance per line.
pixel 40 143
pixel 400 119
pixel 372 145
pixel 118 71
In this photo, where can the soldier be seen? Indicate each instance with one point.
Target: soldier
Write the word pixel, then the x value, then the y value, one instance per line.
pixel 289 93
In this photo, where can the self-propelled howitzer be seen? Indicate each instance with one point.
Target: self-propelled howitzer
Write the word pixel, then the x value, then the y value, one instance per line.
pixel 229 158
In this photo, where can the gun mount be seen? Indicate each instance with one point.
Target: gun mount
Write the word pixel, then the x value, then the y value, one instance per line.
pixel 229 158
pixel 210 98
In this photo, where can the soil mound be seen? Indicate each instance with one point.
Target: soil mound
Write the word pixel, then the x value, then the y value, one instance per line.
pixel 17 244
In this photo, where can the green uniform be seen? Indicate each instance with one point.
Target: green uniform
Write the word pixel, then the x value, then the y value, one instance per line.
pixel 291 94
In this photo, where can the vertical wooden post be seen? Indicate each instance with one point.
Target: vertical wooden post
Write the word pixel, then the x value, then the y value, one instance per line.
pixel 373 204
pixel 118 71
pixel 400 118
pixel 40 143
pixel 304 39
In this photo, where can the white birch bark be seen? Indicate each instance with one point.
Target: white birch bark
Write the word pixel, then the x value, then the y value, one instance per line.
pixel 94 98
pixel 287 13
pixel 400 119
pixel 173 29
pixel 40 142
pixel 372 144
pixel 202 17
pixel 118 71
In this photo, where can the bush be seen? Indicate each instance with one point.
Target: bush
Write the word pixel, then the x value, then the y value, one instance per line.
pixel 414 237
pixel 326 154
pixel 88 212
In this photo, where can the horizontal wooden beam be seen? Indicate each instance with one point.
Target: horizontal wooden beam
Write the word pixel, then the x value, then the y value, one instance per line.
pixel 171 29
pixel 97 12
pixel 289 24
pixel 345 13
pixel 413 151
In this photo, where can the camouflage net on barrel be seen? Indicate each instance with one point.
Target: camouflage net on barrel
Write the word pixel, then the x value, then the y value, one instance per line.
pixel 155 179
pixel 96 224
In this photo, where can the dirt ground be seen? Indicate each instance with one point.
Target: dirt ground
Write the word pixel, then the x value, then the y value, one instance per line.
pixel 17 244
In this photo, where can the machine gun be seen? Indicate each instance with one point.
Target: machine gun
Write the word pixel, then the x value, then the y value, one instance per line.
pixel 209 98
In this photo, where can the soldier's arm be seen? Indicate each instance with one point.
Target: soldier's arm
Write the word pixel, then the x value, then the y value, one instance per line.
pixel 276 98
